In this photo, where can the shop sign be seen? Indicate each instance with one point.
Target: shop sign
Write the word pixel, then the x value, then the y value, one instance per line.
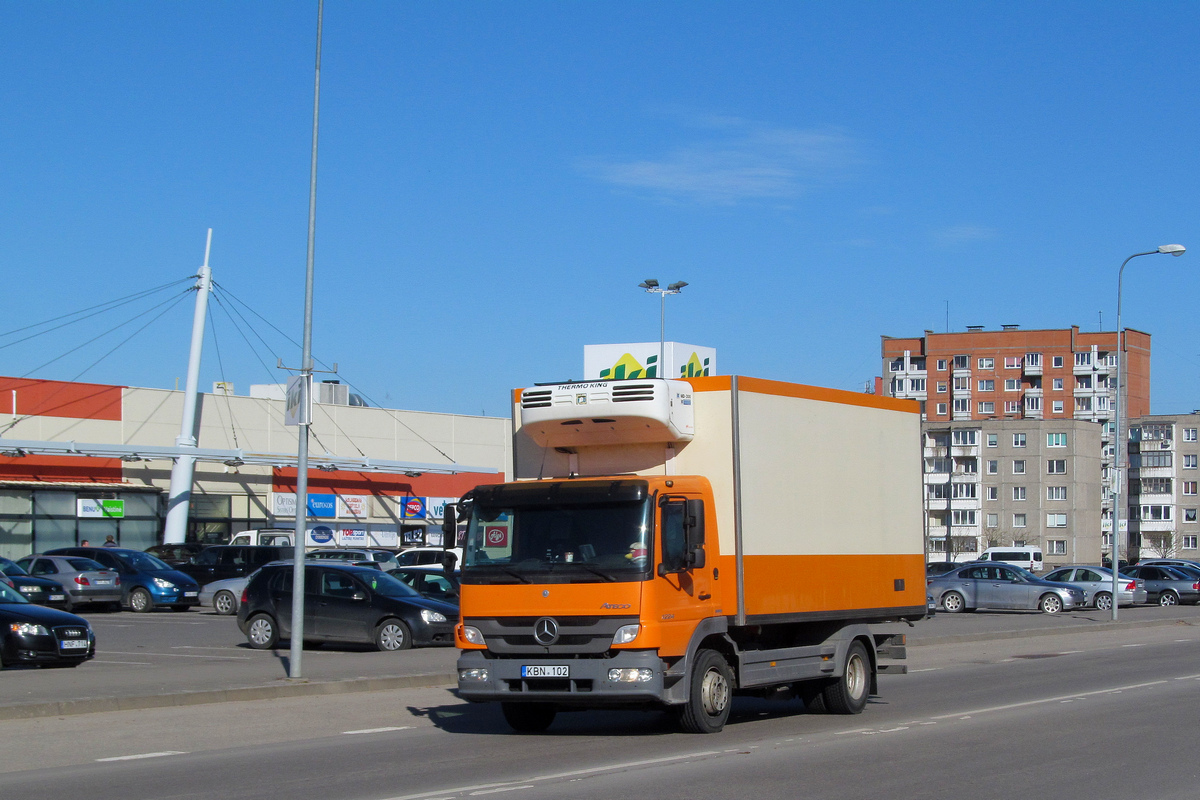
pixel 412 508
pixel 100 509
pixel 322 506
pixel 353 537
pixel 353 506
pixel 321 536
pixel 435 507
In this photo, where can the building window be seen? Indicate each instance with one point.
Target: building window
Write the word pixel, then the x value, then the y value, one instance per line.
pixel 993 520
pixel 1083 359
pixel 965 491
pixel 1018 493
pixel 1012 406
pixel 941 365
pixel 963 517
pixel 1083 382
pixel 987 386
pixel 1189 434
pixel 1018 520
pixel 1150 459
pixel 1033 403
pixel 1153 513
pixel 1012 385
pixel 962 384
pixel 992 491
pixel 941 387
pixel 1056 440
pixel 941 409
pixel 962 362
pixel 964 438
pixel 1012 363
pixel 1019 467
pixel 993 466
pixel 1056 493
pixel 1189 460
pixel 1056 384
pixel 1056 520
pixel 987 407
pixel 987 363
pixel 1189 487
pixel 966 466
pixel 916 384
pixel 1018 440
pixel 1057 362
pixel 1189 542
pixel 936 491
pixel 1056 466
pixel 1083 404
pixel 1057 407
pixel 1056 547
pixel 1189 515
pixel 992 440
pixel 1033 359
pixel 897 365
pixel 962 406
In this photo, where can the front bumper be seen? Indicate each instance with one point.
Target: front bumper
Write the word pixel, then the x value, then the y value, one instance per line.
pixel 179 596
pixel 587 685
pixel 46 650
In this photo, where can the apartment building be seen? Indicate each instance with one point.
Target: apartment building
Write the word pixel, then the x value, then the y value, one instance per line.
pixel 1025 420
pixel 1163 475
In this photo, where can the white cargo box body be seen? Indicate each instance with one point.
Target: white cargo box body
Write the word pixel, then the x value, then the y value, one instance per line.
pixel 818 491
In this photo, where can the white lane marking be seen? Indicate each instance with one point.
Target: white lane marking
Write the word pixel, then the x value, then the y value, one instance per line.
pixel 176 655
pixel 377 730
pixel 144 755
pixel 124 663
pixel 1115 690
pixel 501 789
pixel 558 776
pixel 1134 645
pixel 925 669
pixel 1069 652
pixel 1188 678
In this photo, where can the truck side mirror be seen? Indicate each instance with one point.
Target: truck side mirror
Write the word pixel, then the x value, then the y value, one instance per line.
pixel 696 558
pixel 449 525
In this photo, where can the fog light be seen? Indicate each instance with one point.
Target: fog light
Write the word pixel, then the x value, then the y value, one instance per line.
pixel 625 634
pixel 473 674
pixel 472 634
pixel 630 675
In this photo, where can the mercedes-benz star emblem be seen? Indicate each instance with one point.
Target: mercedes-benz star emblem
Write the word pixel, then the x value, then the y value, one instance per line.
pixel 545 631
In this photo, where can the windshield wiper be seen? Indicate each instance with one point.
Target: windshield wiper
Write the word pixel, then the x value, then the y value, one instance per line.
pixel 589 568
pixel 513 573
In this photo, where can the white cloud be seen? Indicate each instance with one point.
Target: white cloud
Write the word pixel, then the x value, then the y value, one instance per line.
pixel 742 161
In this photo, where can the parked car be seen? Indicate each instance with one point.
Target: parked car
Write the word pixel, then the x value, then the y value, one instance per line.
pixel 84 581
pixel 33 634
pixel 222 561
pixel 429 581
pixel 940 567
pixel 43 591
pixel 1000 586
pixel 225 595
pixel 1170 562
pixel 176 554
pixel 1167 586
pixel 343 603
pixel 415 556
pixel 146 581
pixel 1096 583
pixel 386 559
pixel 281 537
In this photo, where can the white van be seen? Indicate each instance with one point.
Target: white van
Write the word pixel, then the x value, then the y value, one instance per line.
pixel 276 536
pixel 1027 556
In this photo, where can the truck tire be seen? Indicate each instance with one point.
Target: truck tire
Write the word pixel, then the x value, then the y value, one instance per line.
pixel 710 695
pixel 848 694
pixel 529 717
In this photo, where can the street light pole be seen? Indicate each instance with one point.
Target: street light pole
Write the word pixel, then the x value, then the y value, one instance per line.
pixel 651 285
pixel 1118 486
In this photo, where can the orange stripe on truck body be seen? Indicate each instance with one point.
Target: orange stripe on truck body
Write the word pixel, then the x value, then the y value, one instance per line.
pixel 798 584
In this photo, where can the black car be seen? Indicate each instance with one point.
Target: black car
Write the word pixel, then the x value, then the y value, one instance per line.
pixel 146 582
pixel 176 554
pixel 222 561
pixel 343 603
pixel 429 581
pixel 33 634
pixel 42 591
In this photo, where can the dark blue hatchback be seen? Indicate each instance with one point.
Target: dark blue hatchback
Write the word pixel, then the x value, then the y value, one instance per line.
pixel 146 582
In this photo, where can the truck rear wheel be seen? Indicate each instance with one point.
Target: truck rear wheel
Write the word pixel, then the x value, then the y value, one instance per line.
pixel 848 694
pixel 710 696
pixel 529 717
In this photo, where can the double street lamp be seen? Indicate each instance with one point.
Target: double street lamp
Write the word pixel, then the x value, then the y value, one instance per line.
pixel 1117 486
pixel 651 285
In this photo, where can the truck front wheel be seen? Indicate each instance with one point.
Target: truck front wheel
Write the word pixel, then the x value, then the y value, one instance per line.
pixel 710 696
pixel 529 717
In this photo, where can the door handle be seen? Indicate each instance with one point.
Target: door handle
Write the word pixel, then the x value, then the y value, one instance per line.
pixel 704 595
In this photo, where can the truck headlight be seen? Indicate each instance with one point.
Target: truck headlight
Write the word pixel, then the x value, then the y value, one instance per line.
pixel 472 634
pixel 640 675
pixel 28 629
pixel 626 634
pixel 478 674
pixel 432 616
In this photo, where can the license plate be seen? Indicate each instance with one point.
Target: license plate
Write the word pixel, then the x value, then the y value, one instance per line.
pixel 563 671
pixel 72 644
pixel 57 597
pixel 190 594
pixel 103 582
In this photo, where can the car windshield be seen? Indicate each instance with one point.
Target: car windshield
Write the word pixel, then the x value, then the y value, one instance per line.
pixel 386 585
pixel 1023 573
pixel 11 567
pixel 84 564
pixel 10 595
pixel 142 561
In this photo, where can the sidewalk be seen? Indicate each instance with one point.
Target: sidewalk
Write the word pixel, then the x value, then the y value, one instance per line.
pixel 228 678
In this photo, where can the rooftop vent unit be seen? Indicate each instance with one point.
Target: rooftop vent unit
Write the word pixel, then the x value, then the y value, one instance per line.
pixel 1010 326
pixel 609 412
pixel 974 328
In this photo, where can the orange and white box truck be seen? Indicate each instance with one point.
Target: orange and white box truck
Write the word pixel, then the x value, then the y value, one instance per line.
pixel 669 543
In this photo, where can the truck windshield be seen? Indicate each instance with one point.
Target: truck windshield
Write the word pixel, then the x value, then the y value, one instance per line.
pixel 559 543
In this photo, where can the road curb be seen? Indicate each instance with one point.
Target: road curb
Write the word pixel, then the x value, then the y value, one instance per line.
pixel 279 690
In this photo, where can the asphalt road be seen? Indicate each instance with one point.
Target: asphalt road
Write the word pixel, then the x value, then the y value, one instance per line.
pixel 1082 714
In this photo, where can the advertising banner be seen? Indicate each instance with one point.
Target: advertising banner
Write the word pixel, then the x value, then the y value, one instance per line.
pixel 435 507
pixel 607 362
pixel 353 506
pixel 412 507
pixel 353 537
pixel 321 536
pixel 100 509
pixel 322 506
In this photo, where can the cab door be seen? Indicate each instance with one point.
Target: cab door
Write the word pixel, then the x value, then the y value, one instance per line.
pixel 683 579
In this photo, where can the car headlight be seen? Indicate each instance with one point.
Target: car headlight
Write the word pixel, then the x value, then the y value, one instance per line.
pixel 28 629
pixel 472 634
pixel 162 583
pixel 432 616
pixel 626 634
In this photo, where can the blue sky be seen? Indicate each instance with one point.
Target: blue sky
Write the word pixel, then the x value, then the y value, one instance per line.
pixel 496 179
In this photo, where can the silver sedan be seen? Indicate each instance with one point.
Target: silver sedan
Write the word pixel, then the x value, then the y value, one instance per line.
pixel 85 581
pixel 1096 583
pixel 225 595
pixel 1000 586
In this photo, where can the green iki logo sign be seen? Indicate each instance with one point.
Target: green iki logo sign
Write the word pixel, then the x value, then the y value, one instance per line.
pixel 629 367
pixel 101 509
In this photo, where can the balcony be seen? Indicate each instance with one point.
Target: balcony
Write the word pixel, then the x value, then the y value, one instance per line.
pixel 1031 369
